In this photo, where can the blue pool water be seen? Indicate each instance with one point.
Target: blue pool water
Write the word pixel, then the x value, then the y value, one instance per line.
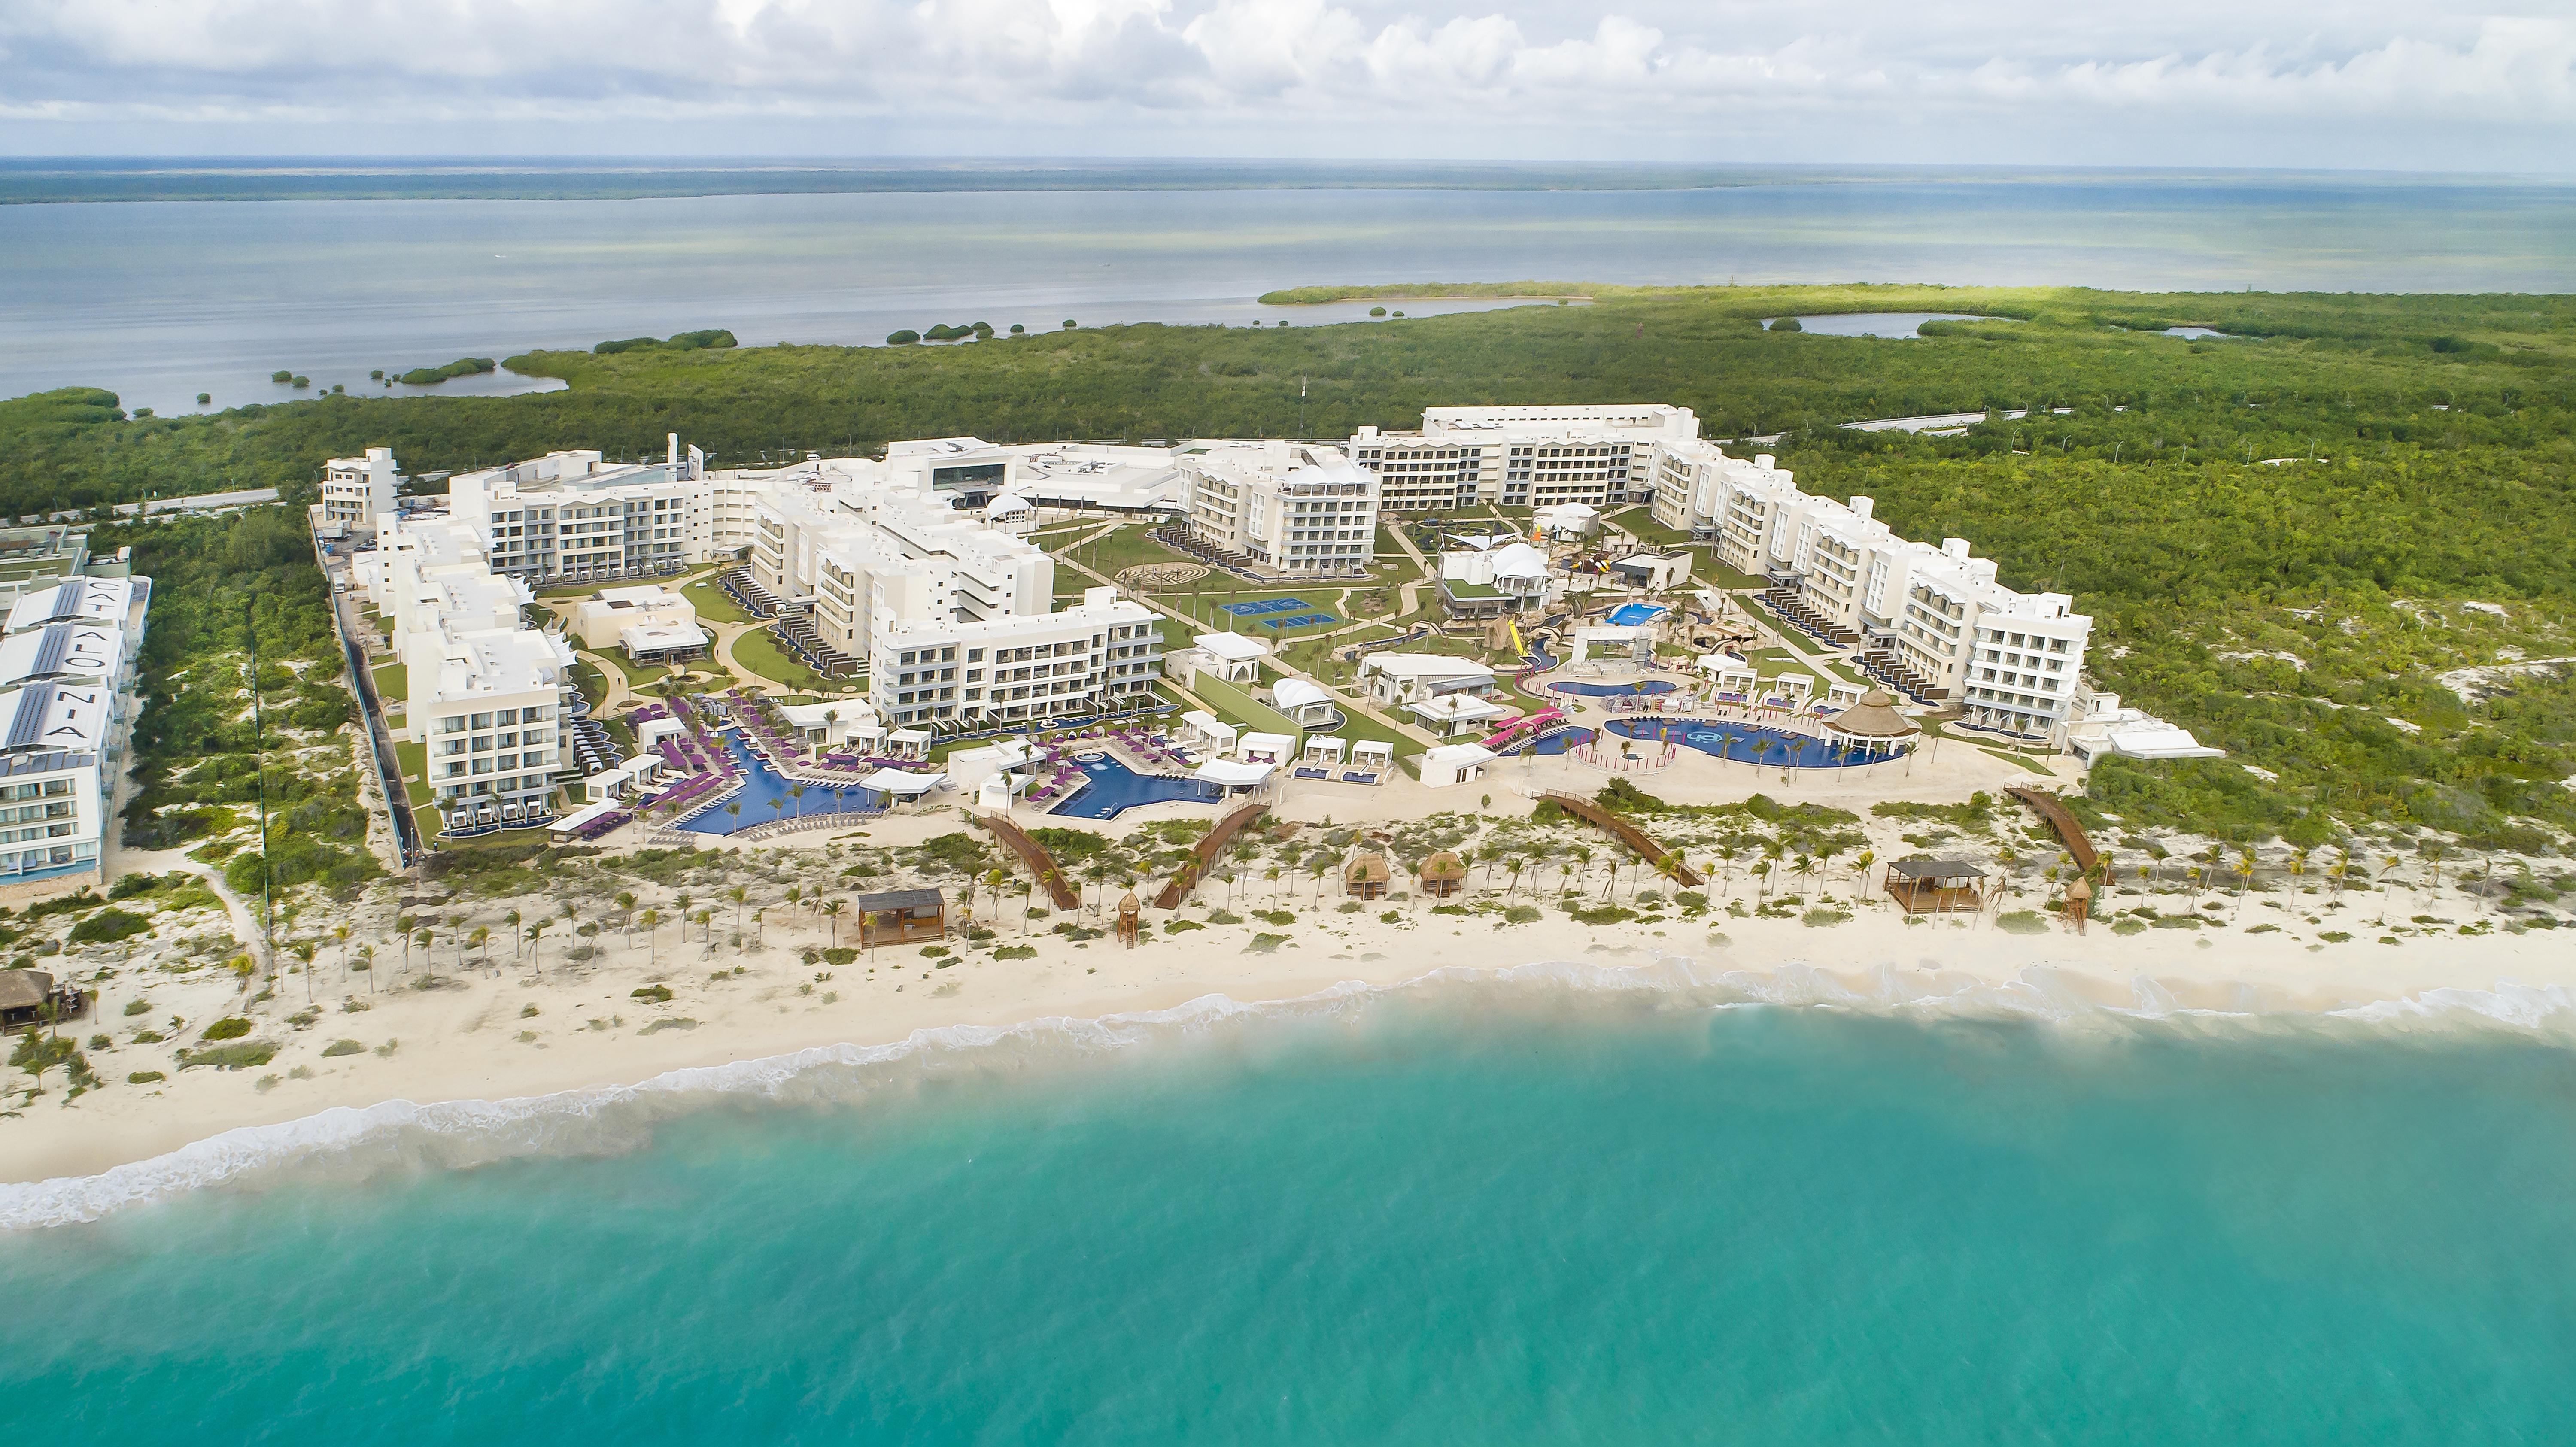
pixel 1265 605
pixel 1751 745
pixel 1113 788
pixel 1555 1211
pixel 761 784
pixel 1302 620
pixel 1616 690
pixel 1629 615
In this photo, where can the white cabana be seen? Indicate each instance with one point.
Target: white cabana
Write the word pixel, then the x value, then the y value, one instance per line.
pixel 1372 755
pixel 1000 790
pixel 1265 748
pixel 644 769
pixel 1450 714
pixel 606 784
pixel 653 730
pixel 1231 656
pixel 902 785
pixel 1569 520
pixel 571 823
pixel 1452 764
pixel 1230 774
pixel 1305 701
pixel 1789 690
pixel 1324 752
pixel 1735 681
pixel 908 744
pixel 1205 731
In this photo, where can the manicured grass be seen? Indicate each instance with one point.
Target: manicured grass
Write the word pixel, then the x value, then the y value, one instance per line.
pixel 413 760
pixel 713 603
pixel 592 684
pixel 760 654
pixel 638 675
pixel 1238 707
pixel 393 683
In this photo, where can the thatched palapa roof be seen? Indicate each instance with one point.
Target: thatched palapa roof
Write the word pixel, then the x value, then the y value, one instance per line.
pixel 1874 717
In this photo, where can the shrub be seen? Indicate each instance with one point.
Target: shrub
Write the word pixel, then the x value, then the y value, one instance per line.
pixel 1016 952
pixel 903 338
pixel 1263 944
pixel 2335 936
pixel 1377 311
pixel 138 1007
pixel 1691 899
pixel 1821 918
pixel 281 376
pixel 2128 927
pixel 1224 916
pixel 1788 324
pixel 839 955
pixel 1176 927
pixel 1392 916
pixel 1604 914
pixel 148 1037
pixel 108 926
pixel 240 1055
pixel 232 1027
pixel 669 1022
pixel 932 952
pixel 145 1077
pixel 1281 917
pixel 2022 922
pixel 652 994
pixel 2175 921
pixel 1522 914
pixel 342 1047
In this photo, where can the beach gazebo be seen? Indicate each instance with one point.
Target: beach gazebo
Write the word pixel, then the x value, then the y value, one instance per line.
pixel 2079 902
pixel 1443 874
pixel 1872 726
pixel 901 916
pixel 1924 885
pixel 23 996
pixel 1131 918
pixel 1366 877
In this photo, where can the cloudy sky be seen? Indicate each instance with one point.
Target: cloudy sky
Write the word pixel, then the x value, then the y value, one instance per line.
pixel 2371 84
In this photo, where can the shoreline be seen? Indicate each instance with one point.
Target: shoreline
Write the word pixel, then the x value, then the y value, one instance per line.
pixel 127 1145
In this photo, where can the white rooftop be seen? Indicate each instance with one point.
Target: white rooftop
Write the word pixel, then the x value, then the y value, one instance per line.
pixel 54 718
pixel 61 650
pixel 80 600
pixel 1290 693
pixel 1424 665
pixel 1232 647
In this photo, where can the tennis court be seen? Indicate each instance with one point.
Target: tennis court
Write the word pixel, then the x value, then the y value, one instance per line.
pixel 1266 605
pixel 1302 620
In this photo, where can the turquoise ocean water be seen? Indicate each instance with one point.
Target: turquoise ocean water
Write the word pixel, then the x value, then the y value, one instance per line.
pixel 1496 1212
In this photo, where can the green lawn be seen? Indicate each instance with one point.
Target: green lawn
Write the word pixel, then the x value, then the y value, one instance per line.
pixel 413 760
pixel 760 653
pixel 713 603
pixel 592 684
pixel 393 683
pixel 638 675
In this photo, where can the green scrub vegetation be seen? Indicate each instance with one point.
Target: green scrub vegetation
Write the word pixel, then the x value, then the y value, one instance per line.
pixel 2293 539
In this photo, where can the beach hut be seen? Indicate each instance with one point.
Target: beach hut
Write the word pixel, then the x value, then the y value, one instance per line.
pixel 1924 885
pixel 1372 758
pixel 2078 905
pixel 1872 726
pixel 23 994
pixel 1131 919
pixel 901 916
pixel 1453 764
pixel 1366 877
pixel 1443 874
pixel 1266 748
pixel 1324 752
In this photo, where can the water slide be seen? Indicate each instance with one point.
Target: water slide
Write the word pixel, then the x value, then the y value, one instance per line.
pixel 1527 726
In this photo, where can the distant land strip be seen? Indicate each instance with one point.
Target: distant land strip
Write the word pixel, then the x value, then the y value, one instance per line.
pixel 30 181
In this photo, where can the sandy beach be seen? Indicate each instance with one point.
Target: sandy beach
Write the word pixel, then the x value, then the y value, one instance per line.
pixel 501 1022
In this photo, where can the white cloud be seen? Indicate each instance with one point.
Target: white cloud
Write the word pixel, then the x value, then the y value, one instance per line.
pixel 1731 78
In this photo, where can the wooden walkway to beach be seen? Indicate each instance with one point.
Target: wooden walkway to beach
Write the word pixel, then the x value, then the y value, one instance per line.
pixel 1042 865
pixel 1626 833
pixel 1204 853
pixel 2069 833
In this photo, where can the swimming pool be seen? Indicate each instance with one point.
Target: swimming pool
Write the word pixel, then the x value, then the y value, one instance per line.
pixel 1615 690
pixel 1630 615
pixel 760 785
pixel 1744 743
pixel 1112 789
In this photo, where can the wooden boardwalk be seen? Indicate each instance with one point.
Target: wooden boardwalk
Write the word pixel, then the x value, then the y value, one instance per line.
pixel 1626 833
pixel 2069 833
pixel 1204 853
pixel 1042 865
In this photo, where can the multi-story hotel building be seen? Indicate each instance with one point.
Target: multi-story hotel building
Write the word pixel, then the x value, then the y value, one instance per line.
pixel 358 490
pixel 955 616
pixel 1284 505
pixel 1522 456
pixel 573 515
pixel 67 706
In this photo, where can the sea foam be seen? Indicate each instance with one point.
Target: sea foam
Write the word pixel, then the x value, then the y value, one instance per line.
pixel 452 1135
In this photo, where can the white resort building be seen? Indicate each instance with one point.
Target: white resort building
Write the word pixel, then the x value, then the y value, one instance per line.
pixel 1290 506
pixel 68 700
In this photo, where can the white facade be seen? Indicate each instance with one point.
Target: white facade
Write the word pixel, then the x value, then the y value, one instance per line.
pixel 1405 678
pixel 485 693
pixel 67 709
pixel 358 490
pixel 646 619
pixel 1284 505
pixel 957 619
pixel 1601 456
pixel 575 515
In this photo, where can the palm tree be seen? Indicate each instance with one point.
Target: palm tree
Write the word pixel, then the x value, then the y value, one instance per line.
pixel 737 894
pixel 303 951
pixel 777 809
pixel 512 920
pixel 797 793
pixel 1860 872
pixel 626 914
pixel 733 811
pixel 832 912
pixel 651 920
pixel 478 939
pixel 536 934
pixel 1726 865
pixel 341 933
pixel 367 963
pixel 423 940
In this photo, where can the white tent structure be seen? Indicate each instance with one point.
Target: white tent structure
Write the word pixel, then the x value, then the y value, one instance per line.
pixel 1569 520
pixel 1305 701
pixel 902 785
pixel 1231 656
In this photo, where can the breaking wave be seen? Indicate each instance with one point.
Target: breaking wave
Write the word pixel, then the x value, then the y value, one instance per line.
pixel 398 1135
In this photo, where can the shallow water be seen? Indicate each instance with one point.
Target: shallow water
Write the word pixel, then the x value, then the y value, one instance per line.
pixel 162 300
pixel 1488 1212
